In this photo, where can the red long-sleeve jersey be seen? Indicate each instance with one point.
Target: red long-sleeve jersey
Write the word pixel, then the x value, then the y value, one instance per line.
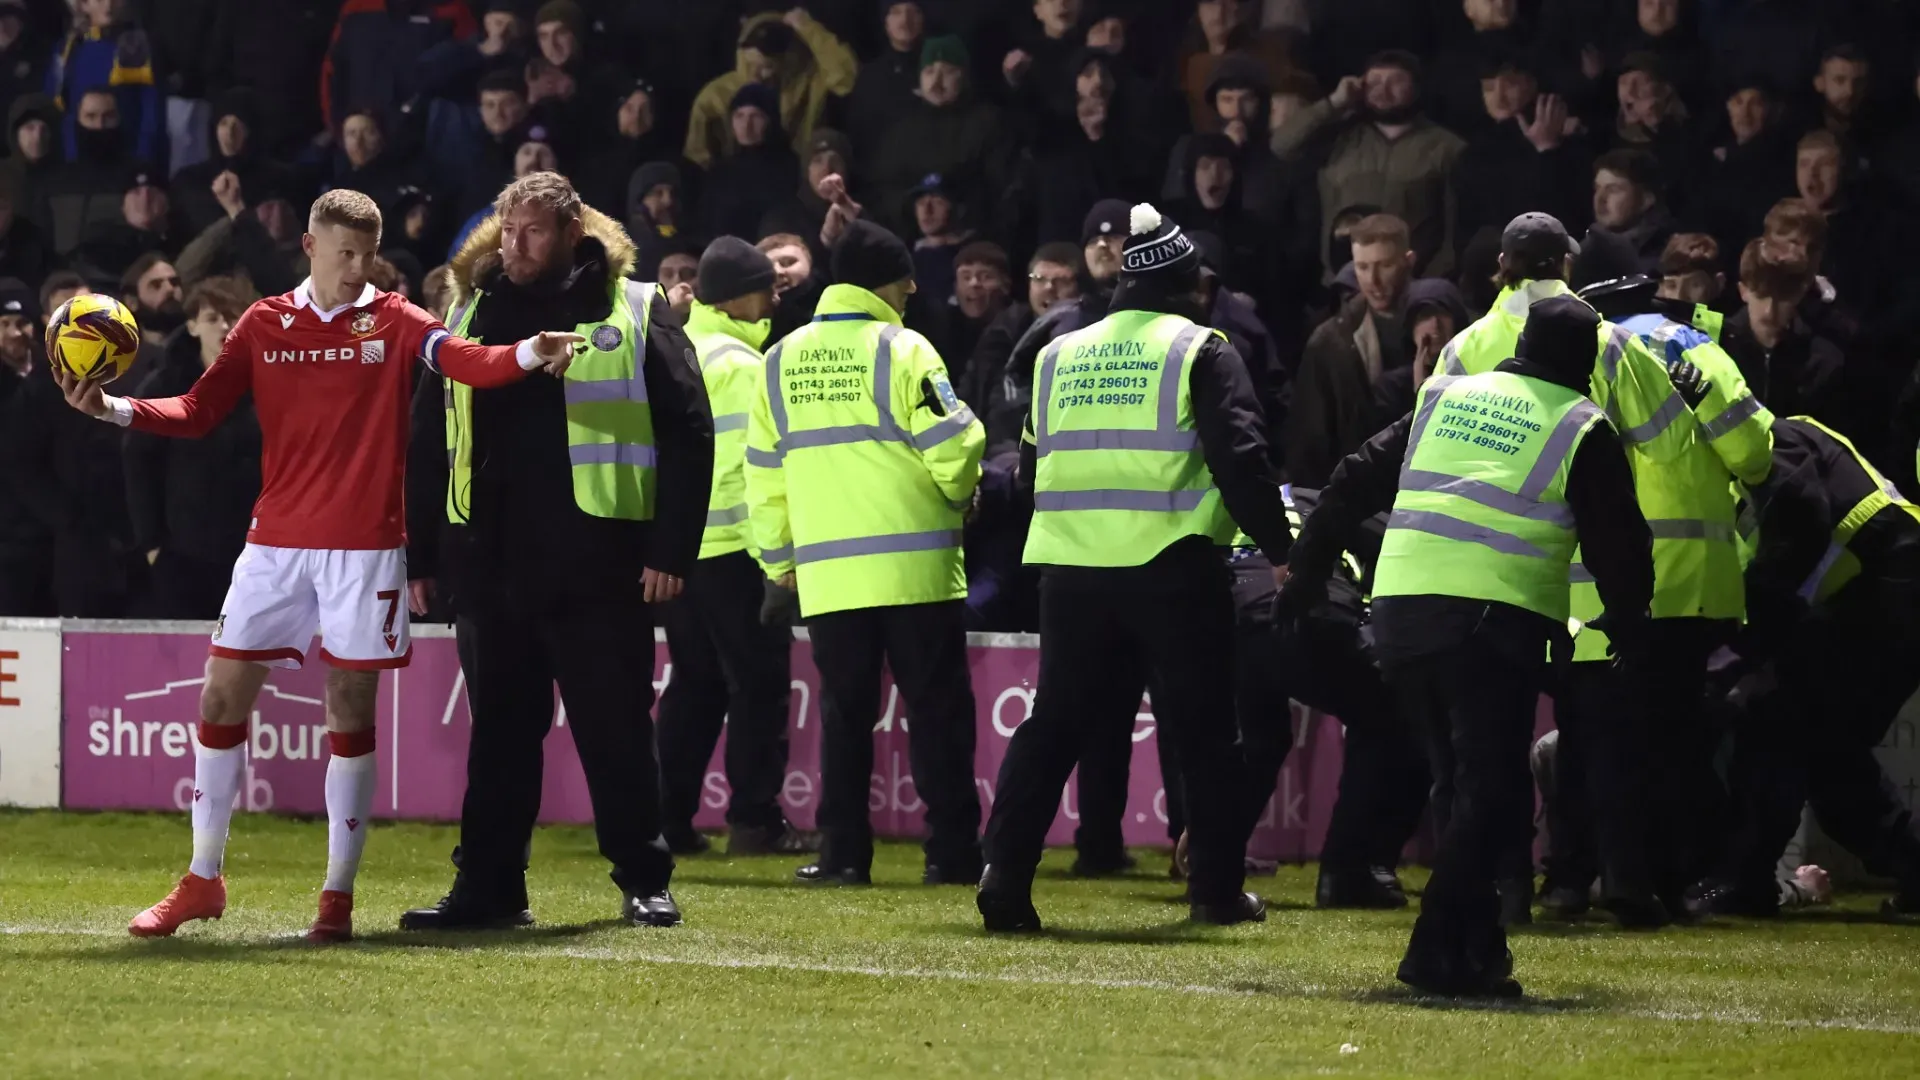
pixel 332 390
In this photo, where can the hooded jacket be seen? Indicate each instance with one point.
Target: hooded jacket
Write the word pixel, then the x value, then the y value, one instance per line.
pixel 528 546
pixel 22 180
pixel 747 182
pixel 817 67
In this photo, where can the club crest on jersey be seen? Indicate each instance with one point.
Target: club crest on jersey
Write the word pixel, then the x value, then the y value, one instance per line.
pixel 606 338
pixel 363 323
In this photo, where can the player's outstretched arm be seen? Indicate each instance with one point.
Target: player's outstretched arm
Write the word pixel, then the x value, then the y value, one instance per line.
pixel 486 366
pixel 188 416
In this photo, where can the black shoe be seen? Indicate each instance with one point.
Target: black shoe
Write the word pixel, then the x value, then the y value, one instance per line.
pixel 653 909
pixel 461 910
pixel 1565 903
pixel 1243 908
pixel 1903 905
pixel 815 874
pixel 782 839
pixel 1095 865
pixel 1637 912
pixel 1375 888
pixel 1449 972
pixel 1723 896
pixel 961 873
pixel 687 843
pixel 1007 911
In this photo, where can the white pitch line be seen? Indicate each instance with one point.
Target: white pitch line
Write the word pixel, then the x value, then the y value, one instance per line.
pixel 1304 990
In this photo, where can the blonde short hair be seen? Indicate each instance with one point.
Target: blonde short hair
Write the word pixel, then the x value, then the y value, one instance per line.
pixel 346 208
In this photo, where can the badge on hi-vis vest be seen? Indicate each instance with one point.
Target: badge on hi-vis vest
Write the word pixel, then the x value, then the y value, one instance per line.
pixel 949 401
pixel 606 338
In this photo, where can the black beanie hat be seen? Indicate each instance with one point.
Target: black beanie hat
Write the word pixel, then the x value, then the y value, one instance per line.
pixel 731 268
pixel 1561 334
pixel 1107 218
pixel 1155 244
pixel 870 257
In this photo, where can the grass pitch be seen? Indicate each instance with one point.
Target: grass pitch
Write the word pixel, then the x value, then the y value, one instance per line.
pixel 771 979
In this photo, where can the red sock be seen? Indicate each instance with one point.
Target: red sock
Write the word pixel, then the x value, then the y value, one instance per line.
pixel 222 736
pixel 350 743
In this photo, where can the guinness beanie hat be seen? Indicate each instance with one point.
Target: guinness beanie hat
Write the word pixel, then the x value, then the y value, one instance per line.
pixel 1154 243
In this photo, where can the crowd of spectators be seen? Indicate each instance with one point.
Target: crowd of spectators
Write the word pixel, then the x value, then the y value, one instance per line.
pixel 1345 167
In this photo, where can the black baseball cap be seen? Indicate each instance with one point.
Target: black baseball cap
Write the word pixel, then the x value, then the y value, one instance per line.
pixel 1534 238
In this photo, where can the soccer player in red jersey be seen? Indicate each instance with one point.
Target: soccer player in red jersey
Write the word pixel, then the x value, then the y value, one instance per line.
pixel 330 367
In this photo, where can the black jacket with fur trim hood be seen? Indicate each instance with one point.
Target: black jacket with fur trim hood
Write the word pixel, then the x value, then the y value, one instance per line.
pixel 528 547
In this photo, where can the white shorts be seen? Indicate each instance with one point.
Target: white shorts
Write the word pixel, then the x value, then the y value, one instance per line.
pixel 280 597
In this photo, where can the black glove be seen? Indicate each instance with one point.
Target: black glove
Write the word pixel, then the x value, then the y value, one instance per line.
pixel 779 606
pixel 1692 383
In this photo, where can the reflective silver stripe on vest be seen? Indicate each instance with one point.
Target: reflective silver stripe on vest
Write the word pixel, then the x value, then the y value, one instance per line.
pixel 580 391
pixel 1491 496
pixel 733 421
pixel 1662 419
pixel 1167 502
pixel 1617 339
pixel 777 555
pixel 1123 439
pixel 732 515
pixel 890 544
pixel 1164 435
pixel 1450 359
pixel 1811 587
pixel 1690 529
pixel 777 397
pixel 611 454
pixel 1734 415
pixel 1559 446
pixel 951 428
pixel 1422 416
pixel 1453 528
pixel 1578 574
pixel 835 436
pixel 1043 395
pixel 765 459
pixel 722 350
pixel 460 313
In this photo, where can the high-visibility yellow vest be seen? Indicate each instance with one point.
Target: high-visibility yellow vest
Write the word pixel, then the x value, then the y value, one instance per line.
pixel 1119 473
pixel 731 365
pixel 1689 503
pixel 609 427
pixel 1482 509
pixel 861 460
pixel 1839 566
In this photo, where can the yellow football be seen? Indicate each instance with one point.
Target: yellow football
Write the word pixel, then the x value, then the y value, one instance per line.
pixel 93 335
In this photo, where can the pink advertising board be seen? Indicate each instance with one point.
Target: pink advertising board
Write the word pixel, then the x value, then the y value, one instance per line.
pixel 130 700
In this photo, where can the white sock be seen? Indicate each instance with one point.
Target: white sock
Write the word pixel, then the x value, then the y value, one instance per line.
pixel 216 784
pixel 350 782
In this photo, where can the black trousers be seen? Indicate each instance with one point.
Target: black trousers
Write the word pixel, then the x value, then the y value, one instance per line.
pixel 1475 700
pixel 925 646
pixel 1683 819
pixel 726 667
pixel 1843 676
pixel 602 658
pixel 1095 641
pixel 1609 776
